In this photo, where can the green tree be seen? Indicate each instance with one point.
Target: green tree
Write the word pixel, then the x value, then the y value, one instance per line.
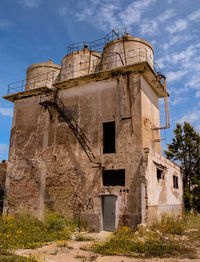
pixel 185 150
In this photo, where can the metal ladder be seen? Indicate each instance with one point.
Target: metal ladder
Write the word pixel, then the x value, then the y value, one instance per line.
pixel 47 100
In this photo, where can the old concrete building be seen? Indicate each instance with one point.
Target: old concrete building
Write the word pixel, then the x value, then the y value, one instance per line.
pixel 85 138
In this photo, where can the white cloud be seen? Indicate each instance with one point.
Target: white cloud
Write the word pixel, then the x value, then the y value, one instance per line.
pixel 197 94
pixel 174 76
pixel 4 24
pixel 166 15
pixel 166 46
pixel 194 81
pixel 109 20
pixel 29 3
pixel 191 117
pixel 176 100
pixel 6 111
pixel 178 26
pixel 183 64
pixel 187 59
pixel 150 27
pixel 182 24
pixel 109 14
pixel 154 42
pixel 142 4
pixel 179 90
pixel 133 12
pixel 161 62
pixel 194 15
pixel 100 14
pixel 3 151
pixel 62 10
pixel 176 39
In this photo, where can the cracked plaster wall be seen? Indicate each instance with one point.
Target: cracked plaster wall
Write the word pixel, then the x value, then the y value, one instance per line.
pixel 163 198
pixel 48 168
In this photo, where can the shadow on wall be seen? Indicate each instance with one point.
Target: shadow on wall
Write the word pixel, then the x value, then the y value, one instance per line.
pixel 3 168
pixel 1 200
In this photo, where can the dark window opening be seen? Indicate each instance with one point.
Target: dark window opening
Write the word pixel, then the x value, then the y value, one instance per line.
pixel 175 182
pixel 160 174
pixel 1 200
pixel 114 177
pixel 109 137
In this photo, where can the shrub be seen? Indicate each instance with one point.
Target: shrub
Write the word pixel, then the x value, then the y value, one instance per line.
pixel 55 222
pixel 26 231
pixel 192 220
pixel 170 224
pixel 127 241
pixel 80 237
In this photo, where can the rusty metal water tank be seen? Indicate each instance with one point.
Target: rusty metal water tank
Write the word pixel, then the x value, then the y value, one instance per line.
pixel 41 75
pixel 125 51
pixel 79 63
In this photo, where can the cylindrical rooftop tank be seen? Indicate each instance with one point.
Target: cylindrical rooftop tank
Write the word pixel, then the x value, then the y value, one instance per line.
pixel 125 51
pixel 41 75
pixel 79 63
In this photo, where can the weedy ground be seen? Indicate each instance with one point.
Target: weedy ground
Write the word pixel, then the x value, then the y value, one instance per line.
pixel 25 231
pixel 171 237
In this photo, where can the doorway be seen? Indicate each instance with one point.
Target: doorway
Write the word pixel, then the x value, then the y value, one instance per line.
pixel 109 212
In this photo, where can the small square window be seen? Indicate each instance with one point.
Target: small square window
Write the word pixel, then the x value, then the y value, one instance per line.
pixel 175 182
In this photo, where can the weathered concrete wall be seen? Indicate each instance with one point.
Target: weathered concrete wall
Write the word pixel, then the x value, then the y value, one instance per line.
pixel 24 168
pixel 150 117
pixel 79 63
pixel 41 75
pixel 48 168
pixel 163 198
pixel 3 167
pixel 159 197
pixel 127 50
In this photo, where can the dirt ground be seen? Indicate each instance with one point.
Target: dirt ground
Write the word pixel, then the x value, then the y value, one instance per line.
pixel 77 251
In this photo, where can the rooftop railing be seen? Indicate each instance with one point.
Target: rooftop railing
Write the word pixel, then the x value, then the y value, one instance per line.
pixel 42 80
pixel 113 60
pixel 98 44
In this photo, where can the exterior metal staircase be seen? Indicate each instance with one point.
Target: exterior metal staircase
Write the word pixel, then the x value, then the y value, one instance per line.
pixel 48 100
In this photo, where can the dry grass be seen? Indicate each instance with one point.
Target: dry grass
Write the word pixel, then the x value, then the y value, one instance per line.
pixel 26 231
pixel 168 238
pixel 172 237
pixel 170 224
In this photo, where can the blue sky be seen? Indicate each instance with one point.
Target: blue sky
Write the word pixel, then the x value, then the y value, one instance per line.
pixel 32 31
